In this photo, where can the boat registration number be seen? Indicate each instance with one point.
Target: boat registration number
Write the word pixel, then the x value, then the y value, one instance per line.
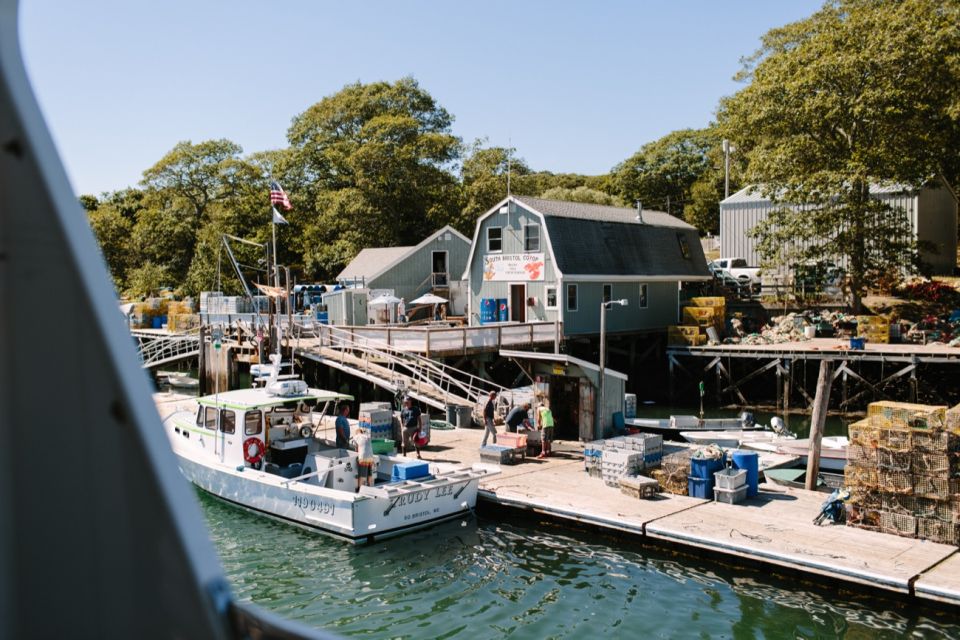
pixel 312 504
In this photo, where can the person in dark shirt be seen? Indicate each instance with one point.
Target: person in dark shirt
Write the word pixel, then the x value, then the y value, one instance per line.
pixel 410 424
pixel 342 427
pixel 488 414
pixel 517 416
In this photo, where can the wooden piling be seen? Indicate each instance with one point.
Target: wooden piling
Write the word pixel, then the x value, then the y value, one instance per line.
pixel 817 420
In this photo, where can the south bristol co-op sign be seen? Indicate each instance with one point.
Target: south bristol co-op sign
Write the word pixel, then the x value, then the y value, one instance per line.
pixel 513 267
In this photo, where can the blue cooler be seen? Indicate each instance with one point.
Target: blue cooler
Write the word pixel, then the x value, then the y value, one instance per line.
pixel 410 471
pixel 702 468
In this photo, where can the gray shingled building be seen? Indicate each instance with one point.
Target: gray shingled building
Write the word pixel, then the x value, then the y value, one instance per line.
pixel 551 260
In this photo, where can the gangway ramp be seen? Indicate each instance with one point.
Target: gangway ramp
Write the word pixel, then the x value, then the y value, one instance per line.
pixel 157 350
pixel 388 367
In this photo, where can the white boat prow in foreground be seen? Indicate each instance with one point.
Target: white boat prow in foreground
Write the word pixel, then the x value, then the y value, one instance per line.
pixel 258 449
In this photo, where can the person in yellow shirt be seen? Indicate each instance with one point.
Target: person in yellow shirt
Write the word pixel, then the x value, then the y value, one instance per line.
pixel 545 425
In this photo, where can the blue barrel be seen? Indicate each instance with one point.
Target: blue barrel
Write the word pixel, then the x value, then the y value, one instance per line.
pixel 503 310
pixel 488 310
pixel 749 461
pixel 857 344
pixel 323 317
pixel 706 467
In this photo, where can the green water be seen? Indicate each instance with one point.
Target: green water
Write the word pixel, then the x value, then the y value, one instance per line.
pixel 487 579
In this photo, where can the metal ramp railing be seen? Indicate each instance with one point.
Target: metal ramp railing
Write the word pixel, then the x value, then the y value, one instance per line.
pixel 160 350
pixel 434 383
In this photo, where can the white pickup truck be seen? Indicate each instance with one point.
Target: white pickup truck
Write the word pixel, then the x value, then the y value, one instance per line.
pixel 736 269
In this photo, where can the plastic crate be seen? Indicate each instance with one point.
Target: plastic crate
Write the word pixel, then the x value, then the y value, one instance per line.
pixel 512 440
pixel 497 454
pixel 708 301
pixel 382 446
pixel 700 487
pixel 730 496
pixel 706 467
pixel 730 479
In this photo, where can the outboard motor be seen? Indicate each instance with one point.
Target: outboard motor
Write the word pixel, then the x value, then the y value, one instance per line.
pixel 747 419
pixel 780 428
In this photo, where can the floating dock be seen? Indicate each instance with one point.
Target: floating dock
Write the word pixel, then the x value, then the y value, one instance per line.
pixel 774 529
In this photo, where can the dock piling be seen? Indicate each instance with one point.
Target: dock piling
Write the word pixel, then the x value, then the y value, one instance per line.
pixel 820 405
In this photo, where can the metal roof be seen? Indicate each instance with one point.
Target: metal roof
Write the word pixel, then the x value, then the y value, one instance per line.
pixel 602 213
pixel 259 398
pixel 369 262
pixel 753 193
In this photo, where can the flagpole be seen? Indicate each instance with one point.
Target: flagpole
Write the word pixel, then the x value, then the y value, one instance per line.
pixel 276 278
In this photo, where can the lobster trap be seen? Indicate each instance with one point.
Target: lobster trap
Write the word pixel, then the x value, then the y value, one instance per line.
pixel 938 531
pixel 903 415
pixel 934 487
pixel 894 439
pixel 894 460
pixel 900 482
pixel 898 524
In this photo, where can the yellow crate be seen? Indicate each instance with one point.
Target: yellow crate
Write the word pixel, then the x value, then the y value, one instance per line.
pixel 687 331
pixel 697 314
pixel 680 340
pixel 872 321
pixel 903 415
pixel 708 301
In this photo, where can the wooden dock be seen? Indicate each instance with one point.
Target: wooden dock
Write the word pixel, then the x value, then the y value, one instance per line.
pixel 775 529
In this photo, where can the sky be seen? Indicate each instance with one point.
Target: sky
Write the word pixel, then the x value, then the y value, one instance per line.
pixel 573 86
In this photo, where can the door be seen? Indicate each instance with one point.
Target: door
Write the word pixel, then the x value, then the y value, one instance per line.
pixel 564 393
pixel 518 302
pixel 440 276
pixel 587 411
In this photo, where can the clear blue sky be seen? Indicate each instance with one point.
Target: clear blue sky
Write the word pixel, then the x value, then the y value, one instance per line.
pixel 576 86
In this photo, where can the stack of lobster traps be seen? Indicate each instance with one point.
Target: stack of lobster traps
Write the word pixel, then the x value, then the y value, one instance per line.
pixel 903 471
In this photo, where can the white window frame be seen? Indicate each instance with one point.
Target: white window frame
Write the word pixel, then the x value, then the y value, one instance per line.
pixel 489 250
pixel 603 292
pixel 546 299
pixel 576 297
pixel 643 296
pixel 525 238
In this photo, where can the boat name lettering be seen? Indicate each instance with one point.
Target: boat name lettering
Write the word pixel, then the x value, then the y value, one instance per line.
pixel 419 514
pixel 313 504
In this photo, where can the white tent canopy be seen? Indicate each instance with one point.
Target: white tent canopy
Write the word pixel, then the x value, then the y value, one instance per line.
pixel 384 301
pixel 429 298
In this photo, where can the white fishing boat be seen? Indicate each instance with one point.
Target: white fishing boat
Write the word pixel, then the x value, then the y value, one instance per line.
pixel 259 449
pixel 730 439
pixel 833 451
pixel 183 382
pixel 674 426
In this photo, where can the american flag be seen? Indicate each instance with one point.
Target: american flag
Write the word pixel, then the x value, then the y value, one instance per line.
pixel 278 196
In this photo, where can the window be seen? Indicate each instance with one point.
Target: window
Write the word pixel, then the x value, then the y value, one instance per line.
pixel 643 295
pixel 228 421
pixel 210 417
pixel 494 239
pixel 551 297
pixel 572 297
pixel 607 292
pixel 531 237
pixel 252 423
pixel 684 247
pixel 738 263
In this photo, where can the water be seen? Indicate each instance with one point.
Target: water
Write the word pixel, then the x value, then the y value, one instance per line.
pixel 486 579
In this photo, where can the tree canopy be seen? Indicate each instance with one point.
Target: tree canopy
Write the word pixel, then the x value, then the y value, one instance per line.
pixel 861 92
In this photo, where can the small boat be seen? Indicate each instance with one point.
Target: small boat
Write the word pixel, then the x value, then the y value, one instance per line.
pixel 833 451
pixel 674 426
pixel 258 449
pixel 730 439
pixel 183 382
pixel 797 478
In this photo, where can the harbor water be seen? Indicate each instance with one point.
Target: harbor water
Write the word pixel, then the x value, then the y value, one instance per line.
pixel 484 578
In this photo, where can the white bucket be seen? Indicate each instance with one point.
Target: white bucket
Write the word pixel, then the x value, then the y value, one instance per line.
pixel 809 332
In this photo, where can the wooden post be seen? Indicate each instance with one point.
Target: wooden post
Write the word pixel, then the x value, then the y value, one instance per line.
pixel 779 388
pixel 786 385
pixel 822 401
pixel 719 383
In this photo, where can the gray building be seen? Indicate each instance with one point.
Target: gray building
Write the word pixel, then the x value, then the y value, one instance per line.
pixel 932 211
pixel 547 260
pixel 433 266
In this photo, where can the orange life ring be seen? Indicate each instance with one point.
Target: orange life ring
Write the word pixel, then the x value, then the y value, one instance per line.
pixel 253 450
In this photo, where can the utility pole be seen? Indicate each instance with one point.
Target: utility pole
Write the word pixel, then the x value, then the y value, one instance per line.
pixel 726 168
pixel 603 359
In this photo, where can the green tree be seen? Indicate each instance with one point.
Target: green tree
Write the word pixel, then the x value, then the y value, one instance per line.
pixel 662 172
pixel 146 280
pixel 113 232
pixel 860 92
pixel 581 194
pixel 484 178
pixel 373 166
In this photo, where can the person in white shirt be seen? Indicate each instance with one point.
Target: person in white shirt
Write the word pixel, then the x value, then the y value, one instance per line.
pixel 365 458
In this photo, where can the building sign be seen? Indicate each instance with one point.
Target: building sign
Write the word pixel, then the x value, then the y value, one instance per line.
pixel 525 267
